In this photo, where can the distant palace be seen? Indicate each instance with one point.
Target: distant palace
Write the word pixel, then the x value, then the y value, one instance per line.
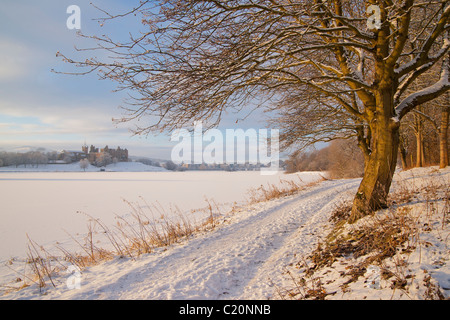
pixel 93 154
pixel 120 154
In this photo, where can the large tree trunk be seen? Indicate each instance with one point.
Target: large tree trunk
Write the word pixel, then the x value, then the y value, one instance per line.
pixel 443 138
pixel 374 187
pixel 380 168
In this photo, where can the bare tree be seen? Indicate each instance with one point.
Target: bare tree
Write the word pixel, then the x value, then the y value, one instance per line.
pixel 439 120
pixel 443 133
pixel 417 126
pixel 84 164
pixel 316 60
pixel 103 159
pixel 170 165
pixel 429 125
pixel 345 160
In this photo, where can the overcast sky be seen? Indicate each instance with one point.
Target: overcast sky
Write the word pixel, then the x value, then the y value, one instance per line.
pixel 41 108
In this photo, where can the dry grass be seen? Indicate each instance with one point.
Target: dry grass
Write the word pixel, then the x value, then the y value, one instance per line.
pixel 41 266
pixel 304 288
pixel 389 235
pixel 377 238
pixel 146 228
pixel 284 189
pixel 136 234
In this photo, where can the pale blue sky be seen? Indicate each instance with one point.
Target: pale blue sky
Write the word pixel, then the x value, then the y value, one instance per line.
pixel 43 109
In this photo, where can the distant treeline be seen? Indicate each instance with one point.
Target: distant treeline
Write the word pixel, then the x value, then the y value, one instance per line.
pixel 149 162
pixel 31 158
pixel 342 159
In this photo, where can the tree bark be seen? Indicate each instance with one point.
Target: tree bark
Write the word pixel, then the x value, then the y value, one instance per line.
pixel 377 179
pixel 402 148
pixel 418 132
pixel 380 168
pixel 419 145
pixel 403 157
pixel 443 138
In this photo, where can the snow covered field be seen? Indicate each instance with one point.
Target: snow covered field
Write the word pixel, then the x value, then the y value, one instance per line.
pixel 47 205
pixel 244 257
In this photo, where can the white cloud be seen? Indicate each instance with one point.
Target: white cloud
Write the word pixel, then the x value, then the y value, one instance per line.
pixel 93 119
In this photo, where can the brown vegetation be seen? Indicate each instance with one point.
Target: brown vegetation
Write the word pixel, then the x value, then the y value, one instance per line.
pixel 384 239
pixel 341 159
pixel 146 228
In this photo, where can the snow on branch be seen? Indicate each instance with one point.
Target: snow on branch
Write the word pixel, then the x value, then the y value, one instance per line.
pixel 426 94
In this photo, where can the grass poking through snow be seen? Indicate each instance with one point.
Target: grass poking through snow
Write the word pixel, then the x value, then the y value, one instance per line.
pixel 146 228
pixel 383 254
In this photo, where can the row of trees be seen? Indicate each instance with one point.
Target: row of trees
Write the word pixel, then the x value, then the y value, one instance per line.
pixel 31 158
pixel 424 135
pixel 318 64
pixel 149 162
pixel 342 159
pixel 39 158
pixel 423 142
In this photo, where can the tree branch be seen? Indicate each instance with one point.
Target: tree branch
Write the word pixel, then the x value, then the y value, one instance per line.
pixel 427 94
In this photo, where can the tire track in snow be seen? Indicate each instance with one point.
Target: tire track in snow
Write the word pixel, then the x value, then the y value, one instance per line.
pixel 234 261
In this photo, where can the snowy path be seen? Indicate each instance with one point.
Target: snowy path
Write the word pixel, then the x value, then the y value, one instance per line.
pixel 235 261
